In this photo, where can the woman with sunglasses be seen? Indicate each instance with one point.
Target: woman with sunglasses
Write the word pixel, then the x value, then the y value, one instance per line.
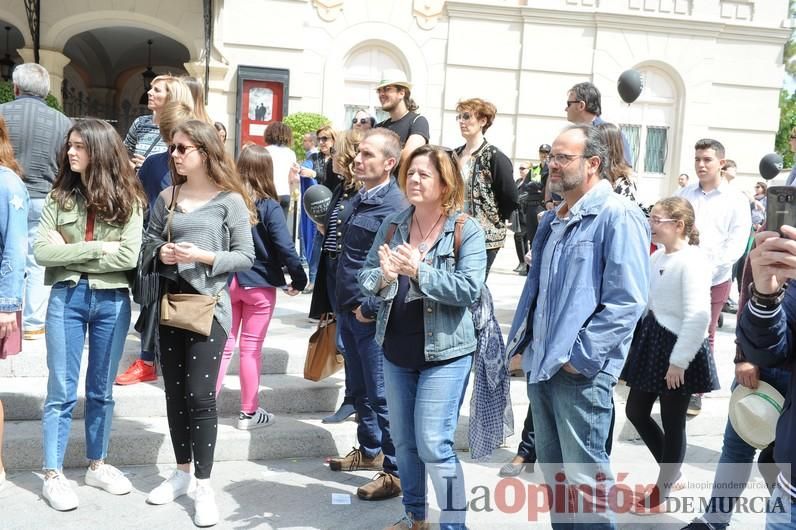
pixel 490 194
pixel 13 251
pixel 89 237
pixel 427 361
pixel 206 236
pixel 363 121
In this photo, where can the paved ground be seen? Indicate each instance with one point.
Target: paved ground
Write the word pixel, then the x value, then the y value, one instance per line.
pixel 304 493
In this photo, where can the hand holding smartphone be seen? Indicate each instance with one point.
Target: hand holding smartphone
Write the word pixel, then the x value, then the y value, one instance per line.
pixel 780 207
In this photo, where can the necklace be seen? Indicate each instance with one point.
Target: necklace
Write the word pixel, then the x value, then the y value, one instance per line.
pixel 423 247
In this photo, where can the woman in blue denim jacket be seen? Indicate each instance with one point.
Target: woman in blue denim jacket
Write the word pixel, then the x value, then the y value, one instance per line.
pixel 13 250
pixel 425 326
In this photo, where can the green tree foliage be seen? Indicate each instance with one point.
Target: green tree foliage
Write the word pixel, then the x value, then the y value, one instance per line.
pixel 7 94
pixel 787 120
pixel 301 123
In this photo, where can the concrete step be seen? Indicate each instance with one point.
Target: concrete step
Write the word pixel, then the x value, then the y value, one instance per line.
pixel 23 397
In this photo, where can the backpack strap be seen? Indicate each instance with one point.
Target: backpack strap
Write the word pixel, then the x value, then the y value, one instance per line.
pixel 390 233
pixel 457 233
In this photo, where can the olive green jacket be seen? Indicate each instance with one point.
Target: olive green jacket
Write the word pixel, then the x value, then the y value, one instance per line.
pixel 78 256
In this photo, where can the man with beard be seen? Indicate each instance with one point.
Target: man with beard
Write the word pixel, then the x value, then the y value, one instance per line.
pixel 586 288
pixel 395 97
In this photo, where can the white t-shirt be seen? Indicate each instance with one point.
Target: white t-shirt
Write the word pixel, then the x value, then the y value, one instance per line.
pixel 283 159
pixel 680 299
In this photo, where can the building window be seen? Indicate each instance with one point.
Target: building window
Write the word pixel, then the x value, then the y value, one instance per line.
pixel 633 135
pixel 656 151
pixel 364 69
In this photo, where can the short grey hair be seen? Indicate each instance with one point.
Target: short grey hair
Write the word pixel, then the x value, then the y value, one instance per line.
pixel 392 142
pixel 32 79
pixel 593 146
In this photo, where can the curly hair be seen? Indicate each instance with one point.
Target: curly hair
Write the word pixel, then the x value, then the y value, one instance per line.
pixel 481 108
pixel 345 151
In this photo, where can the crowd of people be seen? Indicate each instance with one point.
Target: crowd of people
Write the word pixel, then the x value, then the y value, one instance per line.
pixel 613 289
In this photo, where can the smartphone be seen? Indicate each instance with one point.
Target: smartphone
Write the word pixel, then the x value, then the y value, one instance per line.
pixel 780 207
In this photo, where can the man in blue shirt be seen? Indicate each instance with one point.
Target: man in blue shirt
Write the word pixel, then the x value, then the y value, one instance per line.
pixel 585 291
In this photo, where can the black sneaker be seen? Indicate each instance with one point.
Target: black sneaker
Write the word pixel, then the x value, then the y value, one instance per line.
pixel 730 307
pixel 694 405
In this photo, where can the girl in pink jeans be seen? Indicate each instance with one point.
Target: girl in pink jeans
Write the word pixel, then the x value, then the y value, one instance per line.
pixel 253 292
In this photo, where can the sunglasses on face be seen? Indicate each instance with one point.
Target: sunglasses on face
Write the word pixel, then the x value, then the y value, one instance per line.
pixel 571 102
pixel 363 121
pixel 180 148
pixel 464 116
pixel 323 138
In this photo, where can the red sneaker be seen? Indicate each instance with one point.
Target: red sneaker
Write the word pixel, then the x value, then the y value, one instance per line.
pixel 139 372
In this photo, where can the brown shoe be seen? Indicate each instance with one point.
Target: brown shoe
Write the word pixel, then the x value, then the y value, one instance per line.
pixel 357 461
pixel 409 523
pixel 383 486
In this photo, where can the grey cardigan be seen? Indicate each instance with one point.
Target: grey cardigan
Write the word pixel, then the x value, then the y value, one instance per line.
pixel 222 226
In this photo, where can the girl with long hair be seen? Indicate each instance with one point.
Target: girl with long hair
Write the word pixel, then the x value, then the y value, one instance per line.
pixel 205 237
pixel 253 292
pixel 89 237
pixel 670 358
pixel 616 168
pixel 197 89
pixel 13 250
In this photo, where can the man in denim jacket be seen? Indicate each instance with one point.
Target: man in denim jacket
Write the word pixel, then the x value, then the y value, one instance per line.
pixel 356 312
pixel 586 288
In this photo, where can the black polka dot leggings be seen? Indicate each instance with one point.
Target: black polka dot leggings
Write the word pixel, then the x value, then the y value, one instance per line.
pixel 190 362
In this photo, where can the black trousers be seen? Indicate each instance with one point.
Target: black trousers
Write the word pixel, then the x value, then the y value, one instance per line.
pixel 190 364
pixel 667 445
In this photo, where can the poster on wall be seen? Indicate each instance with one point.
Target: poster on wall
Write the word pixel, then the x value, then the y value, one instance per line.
pixel 262 99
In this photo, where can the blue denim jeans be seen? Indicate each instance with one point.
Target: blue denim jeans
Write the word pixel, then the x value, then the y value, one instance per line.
pixel 782 511
pixel 105 313
pixel 741 455
pixel 424 411
pixel 35 307
pixel 315 256
pixel 572 417
pixel 365 359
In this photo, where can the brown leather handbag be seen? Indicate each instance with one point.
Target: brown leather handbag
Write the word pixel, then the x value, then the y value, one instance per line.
pixel 191 312
pixel 323 359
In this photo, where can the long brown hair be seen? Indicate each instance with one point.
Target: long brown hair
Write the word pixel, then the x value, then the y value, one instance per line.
pixel 616 168
pixel 218 165
pixel 680 209
pixel 109 184
pixel 345 151
pixel 198 93
pixel 7 158
pixel 257 172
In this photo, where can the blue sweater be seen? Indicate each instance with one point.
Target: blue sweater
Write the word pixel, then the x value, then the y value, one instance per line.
pixel 155 176
pixel 273 247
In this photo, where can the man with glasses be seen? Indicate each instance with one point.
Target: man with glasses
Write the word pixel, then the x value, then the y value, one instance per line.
pixel 585 291
pixel 395 97
pixel 584 105
pixel 724 222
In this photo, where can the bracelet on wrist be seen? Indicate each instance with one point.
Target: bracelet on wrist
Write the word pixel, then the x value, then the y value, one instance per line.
pixel 766 301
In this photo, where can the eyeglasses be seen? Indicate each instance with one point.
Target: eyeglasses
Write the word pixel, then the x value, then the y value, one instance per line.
pixel 464 116
pixel 180 148
pixel 562 159
pixel 323 138
pixel 792 137
pixel 363 121
pixel 571 102
pixel 523 168
pixel 657 220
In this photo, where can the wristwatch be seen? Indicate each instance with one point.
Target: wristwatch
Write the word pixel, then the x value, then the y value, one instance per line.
pixel 766 301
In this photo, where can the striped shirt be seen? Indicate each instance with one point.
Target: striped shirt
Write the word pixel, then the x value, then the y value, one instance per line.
pixel 330 243
pixel 221 225
pixel 142 135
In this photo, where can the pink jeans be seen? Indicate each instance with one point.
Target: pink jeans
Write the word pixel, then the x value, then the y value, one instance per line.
pixel 252 309
pixel 718 297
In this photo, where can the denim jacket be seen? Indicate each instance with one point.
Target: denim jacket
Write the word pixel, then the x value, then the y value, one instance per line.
pixel 69 261
pixel 597 296
pixel 13 239
pixel 448 285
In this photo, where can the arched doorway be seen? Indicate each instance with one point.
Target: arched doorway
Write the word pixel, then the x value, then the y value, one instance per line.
pixel 104 78
pixel 362 73
pixel 11 39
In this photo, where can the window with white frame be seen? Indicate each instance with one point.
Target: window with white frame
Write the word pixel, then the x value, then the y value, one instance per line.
pixel 363 72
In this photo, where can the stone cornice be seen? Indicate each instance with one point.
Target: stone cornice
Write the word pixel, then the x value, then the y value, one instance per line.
pixel 680 25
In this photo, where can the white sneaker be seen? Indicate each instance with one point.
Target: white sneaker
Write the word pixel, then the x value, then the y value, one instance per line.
pixel 204 503
pixel 175 486
pixel 259 418
pixel 59 493
pixel 108 478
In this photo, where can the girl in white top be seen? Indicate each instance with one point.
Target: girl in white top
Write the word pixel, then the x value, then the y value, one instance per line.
pixel 670 357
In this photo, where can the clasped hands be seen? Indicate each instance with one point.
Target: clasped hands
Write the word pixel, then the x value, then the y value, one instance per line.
pixel 173 253
pixel 403 259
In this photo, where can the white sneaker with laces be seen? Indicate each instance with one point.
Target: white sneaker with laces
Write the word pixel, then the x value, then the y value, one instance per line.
pixel 259 418
pixel 59 493
pixel 204 503
pixel 108 478
pixel 177 485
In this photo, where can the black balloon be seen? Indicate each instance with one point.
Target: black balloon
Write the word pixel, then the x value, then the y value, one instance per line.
pixel 316 202
pixel 629 85
pixel 770 166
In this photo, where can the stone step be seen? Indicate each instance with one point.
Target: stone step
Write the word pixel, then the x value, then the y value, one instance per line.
pixel 23 397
